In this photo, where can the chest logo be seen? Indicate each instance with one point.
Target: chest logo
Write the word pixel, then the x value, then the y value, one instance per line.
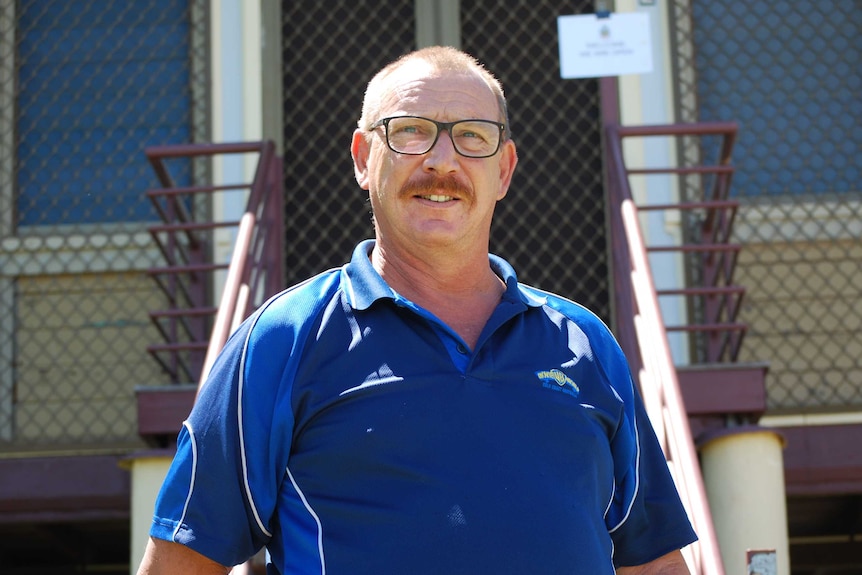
pixel 558 381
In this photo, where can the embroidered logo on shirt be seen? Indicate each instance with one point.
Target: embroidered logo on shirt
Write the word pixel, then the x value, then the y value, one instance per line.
pixel 558 381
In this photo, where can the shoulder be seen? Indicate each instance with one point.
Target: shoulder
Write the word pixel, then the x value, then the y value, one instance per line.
pixel 296 306
pixel 273 334
pixel 267 339
pixel 584 318
pixel 587 331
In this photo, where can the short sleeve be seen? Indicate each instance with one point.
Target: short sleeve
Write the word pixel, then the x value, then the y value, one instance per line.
pixel 220 492
pixel 650 518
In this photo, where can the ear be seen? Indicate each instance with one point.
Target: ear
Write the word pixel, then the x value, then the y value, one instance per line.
pixel 508 161
pixel 359 149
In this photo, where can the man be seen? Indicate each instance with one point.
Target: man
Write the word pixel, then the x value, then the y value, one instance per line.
pixel 418 410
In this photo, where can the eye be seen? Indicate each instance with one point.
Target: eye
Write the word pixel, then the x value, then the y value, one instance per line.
pixel 469 134
pixel 474 132
pixel 410 127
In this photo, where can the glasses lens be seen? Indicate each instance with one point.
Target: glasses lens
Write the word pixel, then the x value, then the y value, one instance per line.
pixel 411 135
pixel 476 138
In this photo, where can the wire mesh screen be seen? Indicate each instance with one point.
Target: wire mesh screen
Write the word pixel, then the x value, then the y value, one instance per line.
pixel 789 74
pixel 96 82
pixel 551 225
pixel 331 50
pixel 84 88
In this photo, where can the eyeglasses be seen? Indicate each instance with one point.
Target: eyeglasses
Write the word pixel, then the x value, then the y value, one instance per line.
pixel 414 135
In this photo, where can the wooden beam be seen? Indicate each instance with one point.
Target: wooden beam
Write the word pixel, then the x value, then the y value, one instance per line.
pixel 63 488
pixel 823 459
pixel 162 410
pixel 724 389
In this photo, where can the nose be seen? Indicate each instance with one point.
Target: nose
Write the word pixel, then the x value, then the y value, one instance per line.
pixel 442 157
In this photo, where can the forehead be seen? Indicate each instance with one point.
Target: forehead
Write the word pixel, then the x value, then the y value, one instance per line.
pixel 421 90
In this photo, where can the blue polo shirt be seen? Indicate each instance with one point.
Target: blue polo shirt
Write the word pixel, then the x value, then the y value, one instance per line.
pixel 351 431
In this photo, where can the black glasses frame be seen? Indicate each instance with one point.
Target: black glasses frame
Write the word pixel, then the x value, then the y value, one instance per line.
pixel 441 126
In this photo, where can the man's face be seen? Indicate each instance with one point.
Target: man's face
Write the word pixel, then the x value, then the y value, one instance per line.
pixel 439 199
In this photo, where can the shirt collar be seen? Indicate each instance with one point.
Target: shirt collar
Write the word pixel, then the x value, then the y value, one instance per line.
pixel 360 281
pixel 363 285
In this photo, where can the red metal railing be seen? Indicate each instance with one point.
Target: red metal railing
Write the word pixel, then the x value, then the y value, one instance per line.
pixel 714 300
pixel 193 329
pixel 640 326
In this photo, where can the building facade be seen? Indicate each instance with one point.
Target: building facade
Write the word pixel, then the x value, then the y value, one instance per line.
pixel 86 86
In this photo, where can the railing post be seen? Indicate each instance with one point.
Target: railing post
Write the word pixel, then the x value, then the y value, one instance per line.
pixel 744 476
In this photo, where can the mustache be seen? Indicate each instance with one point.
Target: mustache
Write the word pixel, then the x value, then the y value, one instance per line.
pixel 426 185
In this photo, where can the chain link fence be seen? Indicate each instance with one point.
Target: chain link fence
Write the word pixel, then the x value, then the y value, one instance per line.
pixel 79 99
pixel 84 87
pixel 551 224
pixel 788 73
pixel 330 52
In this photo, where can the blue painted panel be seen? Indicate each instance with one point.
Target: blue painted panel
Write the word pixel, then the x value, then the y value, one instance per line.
pixel 790 74
pixel 98 81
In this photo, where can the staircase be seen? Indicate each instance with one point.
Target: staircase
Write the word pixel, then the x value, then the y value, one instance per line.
pixel 712 301
pixel 194 331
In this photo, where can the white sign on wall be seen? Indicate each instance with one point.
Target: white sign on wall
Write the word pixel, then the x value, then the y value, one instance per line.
pixel 594 46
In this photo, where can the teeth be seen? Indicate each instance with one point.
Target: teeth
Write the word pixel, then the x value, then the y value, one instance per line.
pixel 436 198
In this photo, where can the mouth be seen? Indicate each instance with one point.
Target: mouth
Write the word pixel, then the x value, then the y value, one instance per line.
pixel 436 189
pixel 437 198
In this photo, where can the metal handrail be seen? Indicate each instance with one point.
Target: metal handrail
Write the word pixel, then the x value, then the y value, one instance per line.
pixel 642 331
pixel 246 268
pixel 662 395
pixel 253 274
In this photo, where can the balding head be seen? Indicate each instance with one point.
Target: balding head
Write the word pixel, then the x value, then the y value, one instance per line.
pixel 439 59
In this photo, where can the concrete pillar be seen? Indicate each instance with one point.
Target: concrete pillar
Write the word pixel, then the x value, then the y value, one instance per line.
pixel 148 472
pixel 743 472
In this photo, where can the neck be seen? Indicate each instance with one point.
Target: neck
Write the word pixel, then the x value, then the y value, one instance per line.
pixel 462 291
pixel 435 273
